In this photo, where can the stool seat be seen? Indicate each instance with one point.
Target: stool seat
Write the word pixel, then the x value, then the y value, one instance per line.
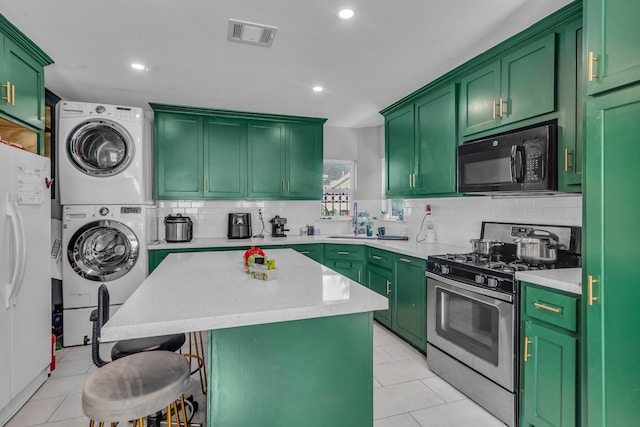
pixel 135 386
pixel 170 343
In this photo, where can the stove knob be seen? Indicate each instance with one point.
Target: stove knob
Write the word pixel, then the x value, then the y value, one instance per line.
pixel 444 269
pixel 492 282
pixel 479 279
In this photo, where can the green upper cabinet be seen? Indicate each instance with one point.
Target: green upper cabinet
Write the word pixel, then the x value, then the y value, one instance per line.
pixel 436 142
pixel 267 157
pixel 216 154
pixel 178 156
pixel 571 93
pixel 399 151
pixel 22 77
pixel 611 270
pixel 420 146
pixel 304 161
pixel 225 154
pixel 518 86
pixel 613 31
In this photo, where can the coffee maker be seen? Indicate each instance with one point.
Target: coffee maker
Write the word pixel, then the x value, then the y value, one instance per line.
pixel 277 226
pixel 239 226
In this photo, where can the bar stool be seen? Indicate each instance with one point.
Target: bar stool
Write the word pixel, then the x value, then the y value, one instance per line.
pixel 195 342
pixel 136 386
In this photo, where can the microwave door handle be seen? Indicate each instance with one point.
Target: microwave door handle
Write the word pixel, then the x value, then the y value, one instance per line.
pixel 514 176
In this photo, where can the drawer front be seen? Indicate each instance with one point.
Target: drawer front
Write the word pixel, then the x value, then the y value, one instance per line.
pixel 551 307
pixel 379 258
pixel 344 252
pixel 312 251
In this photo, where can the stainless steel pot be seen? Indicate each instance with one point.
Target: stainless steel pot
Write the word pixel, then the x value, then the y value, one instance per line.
pixel 539 247
pixel 178 228
pixel 484 246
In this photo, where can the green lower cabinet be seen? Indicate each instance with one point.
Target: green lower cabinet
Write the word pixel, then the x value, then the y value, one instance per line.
pixel 549 383
pixel 314 372
pixel 156 256
pixel 380 280
pixel 549 365
pixel 348 260
pixel 313 251
pixel 351 269
pixel 410 298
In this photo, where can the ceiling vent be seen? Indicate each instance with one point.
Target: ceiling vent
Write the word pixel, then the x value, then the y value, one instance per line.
pixel 251 33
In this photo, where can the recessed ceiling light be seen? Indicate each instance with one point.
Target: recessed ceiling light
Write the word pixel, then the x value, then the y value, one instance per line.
pixel 318 89
pixel 345 13
pixel 139 67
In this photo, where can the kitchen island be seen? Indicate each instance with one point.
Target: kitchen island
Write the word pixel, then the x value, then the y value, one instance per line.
pixel 297 350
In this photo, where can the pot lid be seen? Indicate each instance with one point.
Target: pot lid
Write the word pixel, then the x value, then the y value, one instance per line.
pixel 176 219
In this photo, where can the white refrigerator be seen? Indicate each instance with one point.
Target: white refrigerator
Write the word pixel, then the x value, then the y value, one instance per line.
pixel 25 279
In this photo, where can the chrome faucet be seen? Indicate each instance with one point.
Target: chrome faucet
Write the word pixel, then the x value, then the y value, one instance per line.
pixel 355 218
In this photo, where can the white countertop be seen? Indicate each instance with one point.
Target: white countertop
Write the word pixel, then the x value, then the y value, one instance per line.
pixel 194 291
pixel 405 247
pixel 564 279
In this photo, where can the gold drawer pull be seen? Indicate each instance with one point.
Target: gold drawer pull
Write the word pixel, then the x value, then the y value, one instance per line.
pixel 388 287
pixel 303 252
pixel 13 94
pixel 527 341
pixel 343 253
pixel 546 307
pixel 408 261
pixel 501 107
pixel 566 160
pixel 591 281
pixel 376 257
pixel 493 110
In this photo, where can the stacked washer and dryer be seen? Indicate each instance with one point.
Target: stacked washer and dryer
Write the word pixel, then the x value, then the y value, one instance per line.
pixel 104 174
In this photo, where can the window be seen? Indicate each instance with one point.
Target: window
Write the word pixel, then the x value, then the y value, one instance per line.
pixel 338 188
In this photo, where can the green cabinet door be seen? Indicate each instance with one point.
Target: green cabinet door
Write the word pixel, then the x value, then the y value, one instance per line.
pixel 26 77
pixel 304 161
pixel 399 151
pixel 611 268
pixel 409 310
pixel 436 142
pixel 549 367
pixel 178 156
pixel 613 31
pixel 571 92
pixel 380 280
pixel 225 154
pixel 267 156
pixel 479 94
pixel 519 86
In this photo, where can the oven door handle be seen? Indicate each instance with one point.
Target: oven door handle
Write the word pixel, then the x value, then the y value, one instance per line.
pixel 474 289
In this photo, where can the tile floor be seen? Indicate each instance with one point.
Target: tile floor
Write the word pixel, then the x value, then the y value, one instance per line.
pixel 406 393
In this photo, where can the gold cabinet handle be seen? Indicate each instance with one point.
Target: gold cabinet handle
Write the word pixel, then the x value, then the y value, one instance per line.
pixel 206 184
pixel 282 186
pixel 408 261
pixel 376 257
pixel 410 181
pixel 592 58
pixel 388 287
pixel 8 97
pixel 566 160
pixel 546 307
pixel 527 341
pixel 590 282
pixel 200 184
pixel 303 252
pixel 288 186
pixel 13 94
pixel 343 253
pixel 359 278
pixel 493 110
pixel 501 107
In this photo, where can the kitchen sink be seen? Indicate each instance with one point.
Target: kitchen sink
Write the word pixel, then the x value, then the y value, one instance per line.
pixel 352 236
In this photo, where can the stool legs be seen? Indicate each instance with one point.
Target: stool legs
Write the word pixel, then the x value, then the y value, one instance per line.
pixel 195 343
pixel 154 420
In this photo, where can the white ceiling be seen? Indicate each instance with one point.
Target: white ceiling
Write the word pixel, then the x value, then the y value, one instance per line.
pixel 388 50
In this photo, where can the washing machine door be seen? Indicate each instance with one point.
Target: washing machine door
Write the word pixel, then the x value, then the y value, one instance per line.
pixel 100 148
pixel 103 250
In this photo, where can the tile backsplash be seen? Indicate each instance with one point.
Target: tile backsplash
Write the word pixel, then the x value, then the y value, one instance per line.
pixel 455 219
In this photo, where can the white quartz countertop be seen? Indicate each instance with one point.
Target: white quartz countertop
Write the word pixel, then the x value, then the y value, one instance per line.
pixel 194 291
pixel 564 279
pixel 405 247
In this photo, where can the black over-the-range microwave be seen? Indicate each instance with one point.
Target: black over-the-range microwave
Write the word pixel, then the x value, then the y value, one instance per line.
pixel 521 161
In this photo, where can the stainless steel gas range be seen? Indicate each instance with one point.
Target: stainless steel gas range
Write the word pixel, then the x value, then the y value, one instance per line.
pixel 473 312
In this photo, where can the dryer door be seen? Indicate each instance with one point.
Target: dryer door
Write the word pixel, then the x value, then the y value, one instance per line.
pixel 103 250
pixel 100 148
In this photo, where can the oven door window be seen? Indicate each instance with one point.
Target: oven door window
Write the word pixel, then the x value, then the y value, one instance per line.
pixel 468 323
